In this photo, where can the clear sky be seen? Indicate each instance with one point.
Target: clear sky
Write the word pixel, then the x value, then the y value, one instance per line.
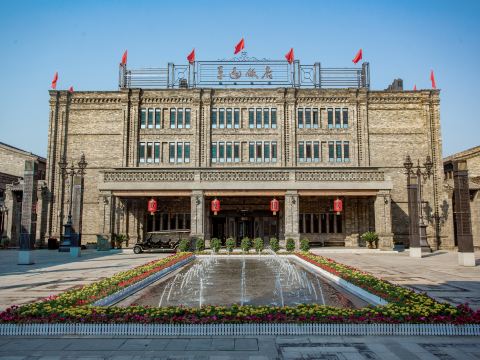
pixel 84 42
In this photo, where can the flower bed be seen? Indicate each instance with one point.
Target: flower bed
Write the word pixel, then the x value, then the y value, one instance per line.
pixel 405 306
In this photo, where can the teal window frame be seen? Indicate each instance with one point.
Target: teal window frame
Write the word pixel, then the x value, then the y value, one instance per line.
pixel 213 118
pixel 251 151
pixel 251 118
pixel 221 118
pixel 188 115
pixel 179 118
pixel 273 118
pixel 229 118
pixel 150 118
pixel 143 118
pixel 274 151
pixel 300 118
pixel 301 151
pixel 345 118
pixel 186 152
pixel 173 118
pixel 330 118
pixel 213 152
pixel 141 153
pixel 236 118
pixel 266 118
pixel 156 152
pixel 158 118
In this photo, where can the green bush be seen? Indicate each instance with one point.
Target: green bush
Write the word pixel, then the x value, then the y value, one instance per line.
pixel 370 237
pixel 200 244
pixel 215 244
pixel 258 245
pixel 230 244
pixel 274 244
pixel 120 239
pixel 246 244
pixel 305 245
pixel 290 246
pixel 184 245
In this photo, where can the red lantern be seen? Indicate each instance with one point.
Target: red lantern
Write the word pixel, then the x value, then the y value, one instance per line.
pixel 152 206
pixel 338 206
pixel 215 206
pixel 274 206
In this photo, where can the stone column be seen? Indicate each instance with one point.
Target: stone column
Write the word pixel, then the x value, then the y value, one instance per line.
pixel 29 216
pixel 463 222
pixel 105 204
pixel 291 216
pixel 10 200
pixel 414 231
pixel 197 214
pixel 383 219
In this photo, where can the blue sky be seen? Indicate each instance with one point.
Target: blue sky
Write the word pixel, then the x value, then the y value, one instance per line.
pixel 84 41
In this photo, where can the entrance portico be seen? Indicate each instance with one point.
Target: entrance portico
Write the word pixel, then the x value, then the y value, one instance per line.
pixel 305 205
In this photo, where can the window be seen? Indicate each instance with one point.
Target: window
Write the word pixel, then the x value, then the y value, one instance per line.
pixel 221 151
pixel 300 223
pixel 143 118
pixel 187 118
pixel 331 151
pixel 331 223
pixel 229 151
pixel 187 152
pixel 316 151
pixel 141 152
pixel 315 223
pixel 180 118
pixel 323 223
pixel 229 118
pixel 308 151
pixel 339 151
pixel 221 118
pixel 259 118
pixel 266 151
pixel 346 151
pixel 171 152
pixel 345 118
pixel 308 223
pixel 251 151
pixel 156 152
pixel 172 118
pixel 274 151
pixel 236 152
pixel 300 118
pixel 236 118
pixel 330 118
pixel 339 223
pixel 259 151
pixel 315 119
pixel 301 151
pixel 308 118
pixel 214 152
pixel 157 118
pixel 149 152
pixel 150 118
pixel 273 118
pixel 179 152
pixel 338 122
pixel 266 118
pixel 213 118
pixel 251 118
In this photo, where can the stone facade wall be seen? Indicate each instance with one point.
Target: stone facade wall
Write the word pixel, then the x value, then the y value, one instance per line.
pixel 383 128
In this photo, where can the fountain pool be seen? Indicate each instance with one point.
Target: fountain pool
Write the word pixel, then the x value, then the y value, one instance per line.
pixel 244 280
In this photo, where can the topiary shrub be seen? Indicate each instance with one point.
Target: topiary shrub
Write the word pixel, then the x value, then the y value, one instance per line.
pixel 184 245
pixel 274 244
pixel 200 244
pixel 290 245
pixel 258 245
pixel 371 238
pixel 305 245
pixel 246 244
pixel 230 244
pixel 215 244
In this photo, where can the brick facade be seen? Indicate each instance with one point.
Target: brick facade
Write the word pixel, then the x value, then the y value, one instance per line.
pixel 383 127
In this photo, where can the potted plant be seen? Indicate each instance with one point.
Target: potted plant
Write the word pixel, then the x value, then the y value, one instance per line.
pixel 274 244
pixel 5 242
pixel 304 245
pixel 290 245
pixel 200 245
pixel 215 244
pixel 119 240
pixel 258 245
pixel 371 238
pixel 184 245
pixel 246 244
pixel 230 244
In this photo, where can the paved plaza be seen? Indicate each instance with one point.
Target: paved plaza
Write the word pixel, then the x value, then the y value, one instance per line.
pixel 437 274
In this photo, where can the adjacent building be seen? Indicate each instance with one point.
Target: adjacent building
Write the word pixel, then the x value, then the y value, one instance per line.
pixel 12 164
pixel 245 132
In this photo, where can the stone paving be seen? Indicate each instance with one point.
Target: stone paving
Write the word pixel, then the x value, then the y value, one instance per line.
pixel 54 272
pixel 258 348
pixel 438 274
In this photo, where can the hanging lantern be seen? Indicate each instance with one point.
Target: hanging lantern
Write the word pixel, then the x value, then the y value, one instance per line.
pixel 215 206
pixel 338 206
pixel 152 206
pixel 274 206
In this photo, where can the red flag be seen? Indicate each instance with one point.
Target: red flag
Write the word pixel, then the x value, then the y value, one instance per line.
pixel 70 90
pixel 191 57
pixel 432 78
pixel 415 87
pixel 239 47
pixel 289 56
pixel 358 57
pixel 54 81
pixel 124 58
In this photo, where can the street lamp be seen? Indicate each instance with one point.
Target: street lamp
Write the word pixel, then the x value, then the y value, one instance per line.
pixel 418 175
pixel 70 241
